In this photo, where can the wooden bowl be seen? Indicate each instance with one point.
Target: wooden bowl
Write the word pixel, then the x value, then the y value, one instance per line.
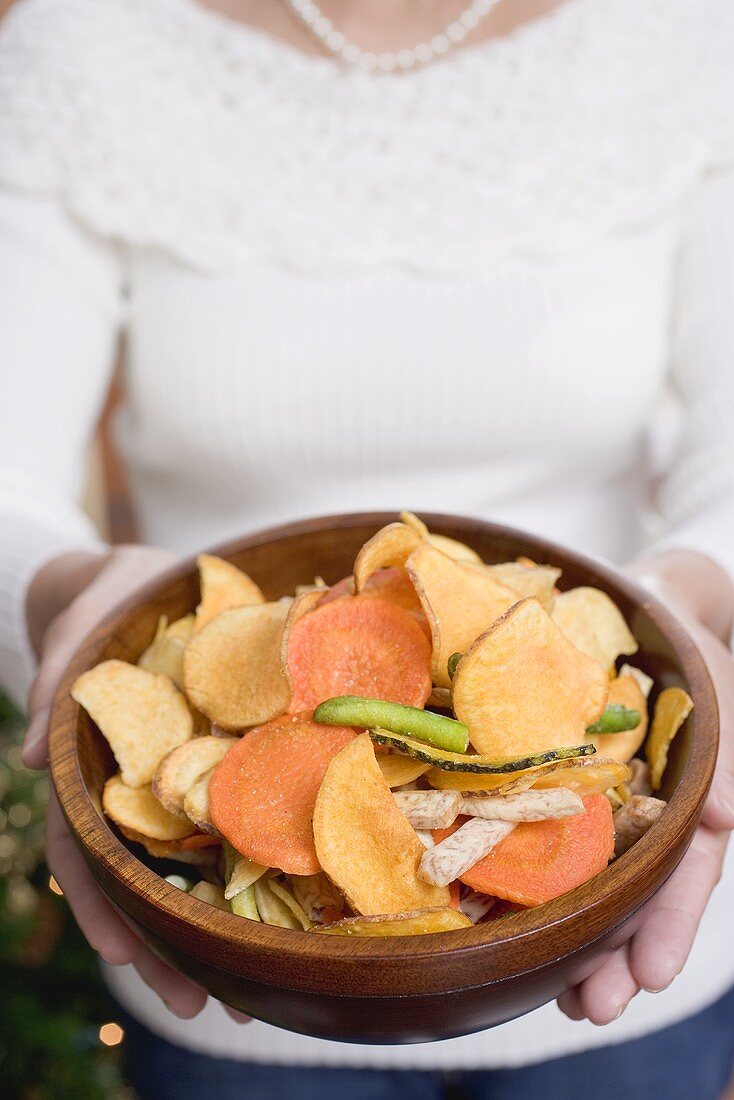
pixel 407 989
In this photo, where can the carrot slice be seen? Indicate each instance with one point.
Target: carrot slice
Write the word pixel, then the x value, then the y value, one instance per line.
pixel 358 645
pixel 262 793
pixel 541 860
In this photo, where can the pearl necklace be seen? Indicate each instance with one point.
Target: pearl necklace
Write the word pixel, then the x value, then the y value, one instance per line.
pixel 334 41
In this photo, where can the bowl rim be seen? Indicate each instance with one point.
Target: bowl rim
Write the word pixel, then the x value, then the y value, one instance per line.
pixel 100 844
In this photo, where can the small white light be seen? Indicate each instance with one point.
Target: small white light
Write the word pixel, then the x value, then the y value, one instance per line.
pixel 368 62
pixel 322 26
pixel 406 58
pixel 456 32
pixel 386 62
pixel 423 52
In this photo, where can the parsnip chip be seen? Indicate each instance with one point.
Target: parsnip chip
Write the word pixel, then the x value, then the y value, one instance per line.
pixel 392 545
pixel 290 901
pixel 523 687
pixel 399 770
pixel 232 668
pixel 138 809
pixel 363 841
pixel 672 707
pixel 223 586
pixel 459 600
pixel 429 809
pixel 533 580
pixel 420 922
pixel 453 856
pixel 624 691
pixel 142 716
pixel 196 804
pixel 165 652
pixel 522 806
pixel 272 909
pixel 440 697
pixel 211 894
pixel 179 770
pixel 245 872
pixel 594 624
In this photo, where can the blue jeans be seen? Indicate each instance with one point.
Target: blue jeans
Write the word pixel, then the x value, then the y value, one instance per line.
pixel 692 1060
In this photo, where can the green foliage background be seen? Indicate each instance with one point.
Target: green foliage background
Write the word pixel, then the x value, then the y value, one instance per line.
pixel 52 1000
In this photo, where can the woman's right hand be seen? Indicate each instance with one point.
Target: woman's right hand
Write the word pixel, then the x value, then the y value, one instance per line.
pixel 66 600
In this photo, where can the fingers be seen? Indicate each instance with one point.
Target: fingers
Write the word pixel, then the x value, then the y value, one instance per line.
pixel 604 996
pixel 569 1003
pixel 238 1017
pixel 104 930
pixel 662 944
pixel 180 996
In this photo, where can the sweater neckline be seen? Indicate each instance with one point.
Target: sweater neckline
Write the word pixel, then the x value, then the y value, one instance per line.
pixel 257 41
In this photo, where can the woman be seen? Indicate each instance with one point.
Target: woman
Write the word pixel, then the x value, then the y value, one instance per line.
pixel 463 275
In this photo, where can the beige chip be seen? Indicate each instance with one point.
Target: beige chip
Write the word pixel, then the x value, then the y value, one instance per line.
pixel 223 586
pixel 232 668
pixel 143 716
pixel 179 770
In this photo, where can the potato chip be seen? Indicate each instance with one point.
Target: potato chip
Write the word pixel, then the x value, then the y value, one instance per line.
pixel 523 687
pixel 223 586
pixel 137 808
pixel 392 545
pixel 142 715
pixel 671 710
pixel 594 624
pixel 165 652
pixel 399 770
pixel 196 850
pixel 459 600
pixel 624 691
pixel 419 922
pixel 196 804
pixel 232 668
pixel 209 893
pixel 459 551
pixel 179 770
pixel 533 580
pixel 364 842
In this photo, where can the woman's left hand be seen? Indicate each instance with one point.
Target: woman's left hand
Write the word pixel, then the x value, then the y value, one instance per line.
pixel 702 596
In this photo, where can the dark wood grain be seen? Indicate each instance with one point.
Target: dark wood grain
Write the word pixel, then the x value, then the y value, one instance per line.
pixel 384 990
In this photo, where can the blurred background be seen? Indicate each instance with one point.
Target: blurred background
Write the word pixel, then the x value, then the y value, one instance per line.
pixel 59 1039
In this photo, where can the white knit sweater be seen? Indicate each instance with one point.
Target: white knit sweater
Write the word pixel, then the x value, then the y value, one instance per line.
pixel 482 287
